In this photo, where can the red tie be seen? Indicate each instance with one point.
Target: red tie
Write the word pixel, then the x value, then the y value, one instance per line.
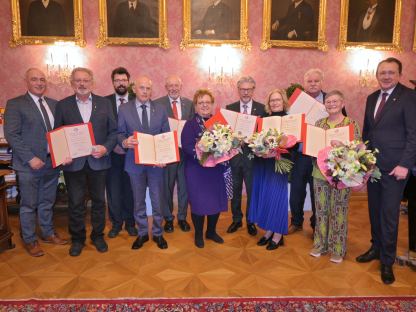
pixel 380 107
pixel 175 110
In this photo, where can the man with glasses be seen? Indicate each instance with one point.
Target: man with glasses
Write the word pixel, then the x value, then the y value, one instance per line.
pixel 242 164
pixel 27 120
pixel 88 172
pixel 119 193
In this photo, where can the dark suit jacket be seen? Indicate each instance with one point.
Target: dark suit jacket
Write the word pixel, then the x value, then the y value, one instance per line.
pixel 103 124
pixel 218 18
pixel 112 98
pixel 380 30
pixel 49 21
pixel 394 133
pixel 25 130
pixel 187 107
pixel 129 122
pixel 257 109
pixel 136 24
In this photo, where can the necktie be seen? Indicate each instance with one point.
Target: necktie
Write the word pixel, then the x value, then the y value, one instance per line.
pixel 380 107
pixel 121 103
pixel 175 109
pixel 245 106
pixel 45 115
pixel 131 7
pixel 145 121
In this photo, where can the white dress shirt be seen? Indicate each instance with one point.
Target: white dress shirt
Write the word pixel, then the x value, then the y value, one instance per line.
pixel 85 108
pixel 380 96
pixel 118 97
pixel 178 106
pixel 249 106
pixel 45 104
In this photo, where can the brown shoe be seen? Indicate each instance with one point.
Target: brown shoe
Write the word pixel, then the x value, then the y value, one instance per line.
pixel 294 228
pixel 54 239
pixel 34 249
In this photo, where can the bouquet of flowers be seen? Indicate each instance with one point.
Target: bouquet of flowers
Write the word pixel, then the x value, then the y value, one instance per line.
pixel 348 165
pixel 272 144
pixel 217 145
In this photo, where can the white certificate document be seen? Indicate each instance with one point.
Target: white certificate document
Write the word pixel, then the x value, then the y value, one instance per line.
pixel 70 141
pixel 302 103
pixel 158 149
pixel 177 125
pixel 241 123
pixel 290 124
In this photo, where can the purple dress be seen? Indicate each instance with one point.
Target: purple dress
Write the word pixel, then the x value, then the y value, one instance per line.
pixel 206 187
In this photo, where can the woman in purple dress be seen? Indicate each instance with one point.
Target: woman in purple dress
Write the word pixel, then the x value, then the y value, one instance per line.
pixel 206 186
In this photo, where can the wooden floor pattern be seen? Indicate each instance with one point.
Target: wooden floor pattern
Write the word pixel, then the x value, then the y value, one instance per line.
pixel 237 268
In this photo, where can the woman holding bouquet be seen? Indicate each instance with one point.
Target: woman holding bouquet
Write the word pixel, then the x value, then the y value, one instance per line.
pixel 331 203
pixel 206 186
pixel 269 201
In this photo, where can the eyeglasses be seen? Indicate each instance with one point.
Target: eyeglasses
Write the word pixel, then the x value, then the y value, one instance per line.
pixel 120 80
pixel 204 103
pixel 248 90
pixel 332 102
pixel 78 81
pixel 143 88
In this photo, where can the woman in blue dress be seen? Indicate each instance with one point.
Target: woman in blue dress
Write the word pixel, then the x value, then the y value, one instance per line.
pixel 269 200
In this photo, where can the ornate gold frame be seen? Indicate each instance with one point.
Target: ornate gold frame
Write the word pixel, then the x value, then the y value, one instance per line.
pixel 393 46
pixel 414 39
pixel 267 43
pixel 104 39
pixel 188 42
pixel 17 39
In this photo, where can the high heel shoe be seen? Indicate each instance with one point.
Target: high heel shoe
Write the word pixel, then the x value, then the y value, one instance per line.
pixel 264 241
pixel 273 245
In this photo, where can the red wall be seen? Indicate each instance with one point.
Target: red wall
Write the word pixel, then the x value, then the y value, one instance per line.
pixel 275 67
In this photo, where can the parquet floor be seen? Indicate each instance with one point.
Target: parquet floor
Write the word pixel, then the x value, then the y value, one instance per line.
pixel 237 268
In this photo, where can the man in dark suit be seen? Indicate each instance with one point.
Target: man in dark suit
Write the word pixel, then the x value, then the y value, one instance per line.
pixel 133 20
pixel 389 126
pixel 216 23
pixel 88 172
pixel 179 108
pixel 46 18
pixel 242 164
pixel 298 24
pixel 119 193
pixel 142 115
pixel 27 120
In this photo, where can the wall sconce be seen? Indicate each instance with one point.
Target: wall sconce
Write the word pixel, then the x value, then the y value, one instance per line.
pixel 364 62
pixel 221 63
pixel 61 59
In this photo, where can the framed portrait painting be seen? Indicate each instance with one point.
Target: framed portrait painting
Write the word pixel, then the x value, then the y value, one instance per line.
pixel 46 21
pixel 294 24
pixel 373 24
pixel 215 22
pixel 133 22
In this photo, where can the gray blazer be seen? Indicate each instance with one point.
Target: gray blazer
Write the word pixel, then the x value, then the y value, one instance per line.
pixel 25 130
pixel 187 107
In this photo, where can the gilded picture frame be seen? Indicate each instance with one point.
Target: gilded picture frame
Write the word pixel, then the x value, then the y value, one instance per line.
pixel 355 32
pixel 290 25
pixel 222 23
pixel 148 25
pixel 34 24
pixel 414 39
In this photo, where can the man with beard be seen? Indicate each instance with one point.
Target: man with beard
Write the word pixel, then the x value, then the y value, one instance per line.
pixel 119 193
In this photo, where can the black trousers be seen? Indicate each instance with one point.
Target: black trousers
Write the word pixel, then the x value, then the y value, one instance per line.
pixel 78 183
pixel 198 222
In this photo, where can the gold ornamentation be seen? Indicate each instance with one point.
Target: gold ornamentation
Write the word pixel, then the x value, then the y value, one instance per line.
pixel 18 39
pixel 188 42
pixel 266 43
pixel 103 39
pixel 390 46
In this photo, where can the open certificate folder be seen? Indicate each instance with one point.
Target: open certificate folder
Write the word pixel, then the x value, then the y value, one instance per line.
pixel 156 149
pixel 289 124
pixel 70 141
pixel 302 103
pixel 177 125
pixel 317 138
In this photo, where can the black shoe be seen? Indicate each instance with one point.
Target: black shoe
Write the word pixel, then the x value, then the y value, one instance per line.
pixel 234 227
pixel 387 275
pixel 113 232
pixel 168 226
pixel 160 242
pixel 131 230
pixel 214 237
pixel 264 241
pixel 184 226
pixel 75 249
pixel 251 229
pixel 199 242
pixel 100 244
pixel 273 245
pixel 370 255
pixel 140 240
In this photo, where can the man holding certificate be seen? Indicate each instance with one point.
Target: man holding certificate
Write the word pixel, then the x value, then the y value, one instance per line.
pixel 242 164
pixel 144 117
pixel 87 172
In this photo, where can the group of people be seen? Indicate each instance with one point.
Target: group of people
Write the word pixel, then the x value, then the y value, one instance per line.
pixel 111 169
